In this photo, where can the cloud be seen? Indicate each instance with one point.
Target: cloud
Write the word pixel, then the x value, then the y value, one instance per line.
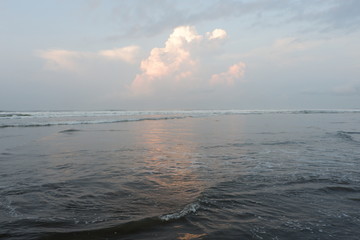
pixel 127 54
pixel 216 34
pixel 286 45
pixel 344 90
pixel 161 15
pixel 186 62
pixel 330 15
pixel 58 59
pixel 176 62
pixel 288 51
pixel 347 89
pixel 228 78
pixel 75 61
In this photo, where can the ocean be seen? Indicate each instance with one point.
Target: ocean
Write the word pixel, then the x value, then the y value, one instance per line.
pixel 264 174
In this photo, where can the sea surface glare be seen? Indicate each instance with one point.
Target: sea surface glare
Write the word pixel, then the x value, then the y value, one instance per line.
pixel 180 175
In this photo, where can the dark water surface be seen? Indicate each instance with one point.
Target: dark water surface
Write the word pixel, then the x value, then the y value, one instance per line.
pixel 224 176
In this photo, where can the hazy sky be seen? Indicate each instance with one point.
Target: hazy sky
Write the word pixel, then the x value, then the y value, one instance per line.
pixel 188 54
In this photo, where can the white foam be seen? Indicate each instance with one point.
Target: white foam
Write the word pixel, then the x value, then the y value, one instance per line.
pixel 62 114
pixel 9 208
pixel 50 118
pixel 190 208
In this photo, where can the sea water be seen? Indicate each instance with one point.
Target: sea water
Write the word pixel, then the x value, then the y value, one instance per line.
pixel 279 174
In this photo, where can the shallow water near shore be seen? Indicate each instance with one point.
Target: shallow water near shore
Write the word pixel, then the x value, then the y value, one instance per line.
pixel 180 175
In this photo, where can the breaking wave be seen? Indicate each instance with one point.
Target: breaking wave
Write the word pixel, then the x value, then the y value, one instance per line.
pixel 64 123
pixel 191 208
pixel 135 226
pixel 45 119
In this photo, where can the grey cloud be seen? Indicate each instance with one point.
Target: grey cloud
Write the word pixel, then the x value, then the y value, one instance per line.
pixel 347 90
pixel 343 15
pixel 164 14
pixel 139 19
pixel 328 15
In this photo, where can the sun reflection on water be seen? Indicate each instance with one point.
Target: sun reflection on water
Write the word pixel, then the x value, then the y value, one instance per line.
pixel 169 158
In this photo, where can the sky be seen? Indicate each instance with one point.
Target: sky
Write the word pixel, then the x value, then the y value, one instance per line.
pixel 172 54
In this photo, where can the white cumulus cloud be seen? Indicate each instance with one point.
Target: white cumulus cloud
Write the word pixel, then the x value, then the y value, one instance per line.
pixel 234 73
pixel 175 63
pixel 172 60
pixel 217 34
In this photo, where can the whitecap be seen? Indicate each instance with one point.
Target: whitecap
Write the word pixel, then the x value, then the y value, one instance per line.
pixel 190 208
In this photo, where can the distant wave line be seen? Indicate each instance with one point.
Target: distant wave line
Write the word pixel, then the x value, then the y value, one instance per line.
pixel 57 114
pixel 99 117
pixel 48 124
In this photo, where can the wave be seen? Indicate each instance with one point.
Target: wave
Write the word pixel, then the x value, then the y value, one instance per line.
pixel 7 205
pixel 191 208
pixel 276 143
pixel 348 136
pixel 131 227
pixel 44 119
pixel 56 114
pixel 339 189
pixel 71 130
pixel 13 115
pixel 49 124
pixel 352 132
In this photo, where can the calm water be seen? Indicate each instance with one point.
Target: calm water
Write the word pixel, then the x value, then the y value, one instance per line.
pixel 180 175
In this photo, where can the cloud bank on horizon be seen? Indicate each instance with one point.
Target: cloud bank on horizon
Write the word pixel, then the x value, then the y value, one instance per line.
pixel 179 54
